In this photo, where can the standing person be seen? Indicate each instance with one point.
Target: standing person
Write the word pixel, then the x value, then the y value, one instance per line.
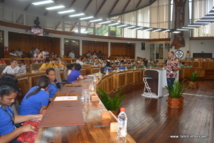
pixel 13 68
pixel 8 93
pixel 72 54
pixel 172 66
pixel 54 84
pixel 36 100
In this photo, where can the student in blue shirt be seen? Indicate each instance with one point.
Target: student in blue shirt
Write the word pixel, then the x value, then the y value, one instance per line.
pixel 75 74
pixel 8 131
pixel 108 67
pixel 122 67
pixel 36 99
pixel 54 84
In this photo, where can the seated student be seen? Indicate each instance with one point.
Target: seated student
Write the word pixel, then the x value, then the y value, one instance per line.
pixel 182 65
pixel 8 93
pixel 75 74
pixel 134 66
pixel 45 65
pixel 189 65
pixel 122 67
pixel 108 67
pixel 54 64
pixel 70 68
pixel 54 84
pixel 36 99
pixel 13 68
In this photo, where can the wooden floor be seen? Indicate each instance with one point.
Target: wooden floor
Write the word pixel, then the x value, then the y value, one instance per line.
pixel 151 121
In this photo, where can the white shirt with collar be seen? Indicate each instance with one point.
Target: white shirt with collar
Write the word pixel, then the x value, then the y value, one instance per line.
pixel 10 70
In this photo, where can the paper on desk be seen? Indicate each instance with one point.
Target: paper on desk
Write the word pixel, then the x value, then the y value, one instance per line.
pixel 66 98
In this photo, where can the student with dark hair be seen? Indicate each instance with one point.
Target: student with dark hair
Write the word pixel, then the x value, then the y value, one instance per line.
pixel 13 68
pixel 36 99
pixel 54 84
pixel 45 65
pixel 75 74
pixel 8 131
pixel 70 68
pixel 108 67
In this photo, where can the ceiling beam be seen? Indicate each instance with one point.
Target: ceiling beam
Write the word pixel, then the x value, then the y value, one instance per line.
pixel 102 4
pixel 27 7
pixel 57 25
pixel 73 26
pixel 126 5
pixel 138 3
pixel 72 3
pixel 115 4
pixel 87 5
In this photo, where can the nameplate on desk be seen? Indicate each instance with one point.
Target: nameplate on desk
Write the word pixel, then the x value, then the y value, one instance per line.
pixel 66 98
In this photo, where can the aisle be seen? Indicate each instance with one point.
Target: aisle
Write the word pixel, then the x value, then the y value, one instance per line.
pixel 150 120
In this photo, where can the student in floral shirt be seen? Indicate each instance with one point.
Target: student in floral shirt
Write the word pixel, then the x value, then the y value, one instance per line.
pixel 172 66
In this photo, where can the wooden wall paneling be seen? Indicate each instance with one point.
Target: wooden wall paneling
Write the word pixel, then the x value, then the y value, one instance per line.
pixel 211 65
pixel 26 42
pixel 129 78
pixel 122 79
pixel 137 76
pixel 123 49
pixel 95 46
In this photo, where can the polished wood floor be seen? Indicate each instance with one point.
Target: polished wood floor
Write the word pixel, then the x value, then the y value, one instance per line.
pixel 151 121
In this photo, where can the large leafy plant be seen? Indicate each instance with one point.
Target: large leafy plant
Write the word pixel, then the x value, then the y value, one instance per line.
pixel 111 103
pixel 177 89
pixel 193 76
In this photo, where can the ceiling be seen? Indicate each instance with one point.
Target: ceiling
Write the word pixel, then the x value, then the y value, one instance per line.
pixel 96 8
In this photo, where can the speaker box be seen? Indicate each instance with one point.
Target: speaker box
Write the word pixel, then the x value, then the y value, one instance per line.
pixel 142 46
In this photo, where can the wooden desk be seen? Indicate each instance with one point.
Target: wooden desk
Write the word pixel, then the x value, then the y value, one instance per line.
pixel 95 130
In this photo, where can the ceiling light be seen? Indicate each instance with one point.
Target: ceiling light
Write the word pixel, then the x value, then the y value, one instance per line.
pixel 66 11
pixel 55 7
pixel 105 22
pixel 183 29
pixel 84 18
pixel 96 20
pixel 122 25
pixel 113 24
pixel 205 20
pixel 77 15
pixel 188 27
pixel 166 30
pixel 176 32
pixel 131 27
pixel 42 2
pixel 148 29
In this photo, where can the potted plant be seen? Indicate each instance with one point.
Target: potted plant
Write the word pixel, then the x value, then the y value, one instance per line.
pixel 193 80
pixel 175 98
pixel 111 103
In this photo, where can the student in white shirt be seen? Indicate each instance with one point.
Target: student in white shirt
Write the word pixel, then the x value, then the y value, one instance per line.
pixel 13 68
pixel 72 54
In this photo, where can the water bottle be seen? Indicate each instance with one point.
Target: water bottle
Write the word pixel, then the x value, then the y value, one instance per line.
pixel 122 123
pixel 86 95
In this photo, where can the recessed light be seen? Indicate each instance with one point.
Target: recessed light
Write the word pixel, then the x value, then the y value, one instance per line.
pixel 96 20
pixel 85 18
pixel 66 11
pixel 76 15
pixel 105 22
pixel 183 29
pixel 42 2
pixel 55 7
pixel 166 30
